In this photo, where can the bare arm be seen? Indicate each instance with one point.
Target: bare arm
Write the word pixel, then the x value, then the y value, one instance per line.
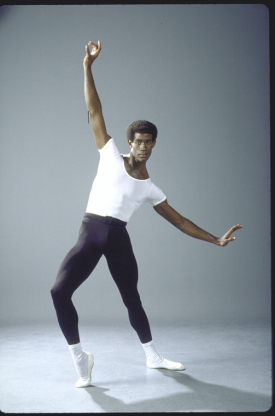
pixel 91 97
pixel 191 229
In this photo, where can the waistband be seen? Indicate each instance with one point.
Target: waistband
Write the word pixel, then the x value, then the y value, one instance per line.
pixel 105 220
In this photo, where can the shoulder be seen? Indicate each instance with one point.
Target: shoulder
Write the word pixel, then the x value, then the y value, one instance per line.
pixel 109 146
pixel 156 195
pixel 110 151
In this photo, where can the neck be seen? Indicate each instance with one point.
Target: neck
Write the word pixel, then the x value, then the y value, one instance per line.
pixel 135 164
pixel 137 168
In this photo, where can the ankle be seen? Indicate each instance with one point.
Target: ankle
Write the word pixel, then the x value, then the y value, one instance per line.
pixel 152 356
pixel 80 360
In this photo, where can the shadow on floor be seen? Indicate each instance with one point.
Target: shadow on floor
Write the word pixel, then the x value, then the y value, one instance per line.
pixel 203 397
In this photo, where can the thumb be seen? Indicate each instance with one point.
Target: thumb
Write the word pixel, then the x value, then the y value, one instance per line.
pixel 227 240
pixel 87 50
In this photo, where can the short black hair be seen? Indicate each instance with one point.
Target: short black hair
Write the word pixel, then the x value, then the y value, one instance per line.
pixel 141 126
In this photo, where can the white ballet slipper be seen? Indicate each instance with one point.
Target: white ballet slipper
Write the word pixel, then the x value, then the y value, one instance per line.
pixel 166 364
pixel 86 382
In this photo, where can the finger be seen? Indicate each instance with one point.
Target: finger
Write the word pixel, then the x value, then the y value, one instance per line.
pixel 92 44
pixel 236 227
pixel 227 240
pixel 97 47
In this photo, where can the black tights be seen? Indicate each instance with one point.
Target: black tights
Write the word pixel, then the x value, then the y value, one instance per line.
pixel 99 236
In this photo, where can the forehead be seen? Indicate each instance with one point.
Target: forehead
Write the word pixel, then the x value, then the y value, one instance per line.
pixel 142 136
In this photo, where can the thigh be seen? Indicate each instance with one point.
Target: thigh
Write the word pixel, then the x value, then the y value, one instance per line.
pixel 78 263
pixel 122 262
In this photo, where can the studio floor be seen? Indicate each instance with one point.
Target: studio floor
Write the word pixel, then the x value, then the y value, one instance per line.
pixel 228 369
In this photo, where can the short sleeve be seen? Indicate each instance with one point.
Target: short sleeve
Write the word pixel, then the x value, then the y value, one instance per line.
pixel 156 196
pixel 109 151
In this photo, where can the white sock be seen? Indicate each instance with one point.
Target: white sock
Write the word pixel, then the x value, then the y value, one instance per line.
pixel 154 360
pixel 151 354
pixel 80 359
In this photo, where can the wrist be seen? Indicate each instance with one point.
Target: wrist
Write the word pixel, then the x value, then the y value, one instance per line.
pixel 87 66
pixel 216 241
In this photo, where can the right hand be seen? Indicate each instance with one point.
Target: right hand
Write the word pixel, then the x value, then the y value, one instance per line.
pixel 91 56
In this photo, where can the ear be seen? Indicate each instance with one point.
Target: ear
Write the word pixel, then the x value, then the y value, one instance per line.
pixel 154 143
pixel 130 143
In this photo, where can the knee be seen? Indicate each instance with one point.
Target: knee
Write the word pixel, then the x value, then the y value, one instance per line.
pixel 53 292
pixel 132 303
pixel 56 293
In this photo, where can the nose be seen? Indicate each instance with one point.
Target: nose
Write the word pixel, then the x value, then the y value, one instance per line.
pixel 143 145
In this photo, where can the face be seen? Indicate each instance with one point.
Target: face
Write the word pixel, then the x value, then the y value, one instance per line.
pixel 141 146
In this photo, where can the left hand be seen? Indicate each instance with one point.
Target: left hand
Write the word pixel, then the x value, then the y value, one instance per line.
pixel 225 239
pixel 91 56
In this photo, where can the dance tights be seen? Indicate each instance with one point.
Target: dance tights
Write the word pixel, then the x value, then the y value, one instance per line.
pixel 99 236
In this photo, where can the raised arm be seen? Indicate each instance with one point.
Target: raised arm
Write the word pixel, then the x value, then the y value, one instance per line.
pixel 191 229
pixel 91 97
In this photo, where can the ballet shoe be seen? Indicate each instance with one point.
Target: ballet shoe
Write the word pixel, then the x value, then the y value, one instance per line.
pixel 86 382
pixel 167 365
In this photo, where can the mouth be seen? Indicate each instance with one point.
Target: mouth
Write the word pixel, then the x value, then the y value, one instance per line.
pixel 143 155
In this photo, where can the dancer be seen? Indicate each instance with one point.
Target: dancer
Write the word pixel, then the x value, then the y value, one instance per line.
pixel 121 185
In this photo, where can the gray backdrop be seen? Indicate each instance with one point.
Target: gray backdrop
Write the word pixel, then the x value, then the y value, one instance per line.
pixel 201 74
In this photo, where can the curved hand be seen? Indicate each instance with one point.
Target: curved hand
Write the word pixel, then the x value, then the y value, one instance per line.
pixel 91 56
pixel 225 239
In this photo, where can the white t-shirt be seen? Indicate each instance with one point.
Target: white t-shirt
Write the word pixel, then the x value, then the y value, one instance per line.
pixel 114 192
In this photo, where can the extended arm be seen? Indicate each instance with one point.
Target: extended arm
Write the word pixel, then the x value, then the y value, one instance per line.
pixel 191 229
pixel 91 97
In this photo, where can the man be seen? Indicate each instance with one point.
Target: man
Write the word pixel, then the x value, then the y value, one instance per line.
pixel 121 185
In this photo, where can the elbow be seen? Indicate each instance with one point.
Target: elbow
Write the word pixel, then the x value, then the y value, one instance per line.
pixel 96 117
pixel 94 111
